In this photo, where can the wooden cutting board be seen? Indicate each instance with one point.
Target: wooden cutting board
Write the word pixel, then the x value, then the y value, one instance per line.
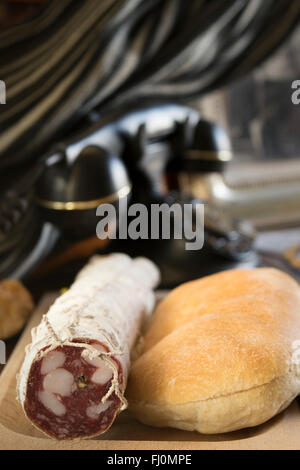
pixel 282 432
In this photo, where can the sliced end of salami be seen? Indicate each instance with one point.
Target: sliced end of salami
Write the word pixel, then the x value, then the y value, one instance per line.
pixel 65 392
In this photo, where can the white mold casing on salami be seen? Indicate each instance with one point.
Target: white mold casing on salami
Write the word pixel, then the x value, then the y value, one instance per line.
pixel 90 330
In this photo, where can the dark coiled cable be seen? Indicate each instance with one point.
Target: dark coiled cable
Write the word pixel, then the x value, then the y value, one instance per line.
pixel 78 55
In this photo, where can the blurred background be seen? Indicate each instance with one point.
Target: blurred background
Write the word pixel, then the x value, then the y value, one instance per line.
pixel 153 101
pixel 257 110
pixel 263 124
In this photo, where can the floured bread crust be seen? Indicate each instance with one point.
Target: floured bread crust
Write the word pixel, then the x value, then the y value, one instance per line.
pixel 223 414
pixel 220 353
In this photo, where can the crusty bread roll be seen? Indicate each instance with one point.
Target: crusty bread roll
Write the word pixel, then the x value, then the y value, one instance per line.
pixel 221 353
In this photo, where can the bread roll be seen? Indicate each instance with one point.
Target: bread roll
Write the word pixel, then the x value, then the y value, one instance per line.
pixel 16 306
pixel 221 353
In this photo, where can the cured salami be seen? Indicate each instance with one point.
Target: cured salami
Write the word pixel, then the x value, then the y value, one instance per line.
pixel 72 381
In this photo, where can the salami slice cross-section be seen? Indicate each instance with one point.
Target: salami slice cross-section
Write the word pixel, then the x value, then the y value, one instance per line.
pixel 73 378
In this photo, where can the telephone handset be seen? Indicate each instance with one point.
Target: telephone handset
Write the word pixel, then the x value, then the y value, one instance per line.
pixel 131 153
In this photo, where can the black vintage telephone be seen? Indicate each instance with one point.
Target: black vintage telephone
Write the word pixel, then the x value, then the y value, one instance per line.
pixel 132 153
